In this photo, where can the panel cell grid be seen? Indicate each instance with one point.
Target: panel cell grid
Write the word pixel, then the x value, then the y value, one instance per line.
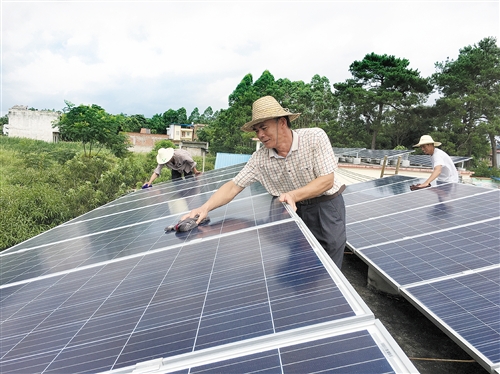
pixel 198 296
pixel 469 306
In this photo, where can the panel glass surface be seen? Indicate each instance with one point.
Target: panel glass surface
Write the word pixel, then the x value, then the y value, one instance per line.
pixel 398 195
pixel 160 304
pixel 426 220
pixel 469 306
pixel 329 355
pixel 87 243
pixel 376 184
pixel 444 253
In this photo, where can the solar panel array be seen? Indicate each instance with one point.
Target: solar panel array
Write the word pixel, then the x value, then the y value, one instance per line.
pixel 372 154
pixel 425 160
pixel 250 291
pixel 440 248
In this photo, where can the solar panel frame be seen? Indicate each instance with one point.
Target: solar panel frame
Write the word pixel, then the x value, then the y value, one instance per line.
pixel 283 352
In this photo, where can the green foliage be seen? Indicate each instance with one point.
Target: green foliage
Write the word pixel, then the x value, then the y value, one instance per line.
pixel 470 106
pixel 382 88
pixel 44 187
pixel 29 210
pixel 483 169
pixel 94 128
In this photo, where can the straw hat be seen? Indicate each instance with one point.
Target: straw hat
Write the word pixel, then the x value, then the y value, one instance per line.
pixel 164 155
pixel 267 108
pixel 427 139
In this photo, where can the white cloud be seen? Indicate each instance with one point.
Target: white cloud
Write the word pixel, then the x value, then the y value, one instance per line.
pixel 148 57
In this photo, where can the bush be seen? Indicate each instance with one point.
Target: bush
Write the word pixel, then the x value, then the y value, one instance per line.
pixel 28 211
pixel 483 169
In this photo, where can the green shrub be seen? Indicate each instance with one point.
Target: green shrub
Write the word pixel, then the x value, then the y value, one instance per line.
pixel 483 169
pixel 28 211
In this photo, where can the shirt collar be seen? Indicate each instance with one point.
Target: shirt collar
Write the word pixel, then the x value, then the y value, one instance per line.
pixel 294 147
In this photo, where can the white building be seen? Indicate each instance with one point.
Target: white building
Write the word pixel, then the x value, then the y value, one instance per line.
pixel 32 124
pixel 180 132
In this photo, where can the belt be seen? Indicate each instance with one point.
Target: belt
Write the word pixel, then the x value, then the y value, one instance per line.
pixel 322 198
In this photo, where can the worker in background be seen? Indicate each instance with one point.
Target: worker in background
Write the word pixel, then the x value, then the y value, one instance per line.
pixel 178 160
pixel 444 169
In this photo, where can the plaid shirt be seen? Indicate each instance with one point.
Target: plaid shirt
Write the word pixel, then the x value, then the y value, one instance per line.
pixel 311 156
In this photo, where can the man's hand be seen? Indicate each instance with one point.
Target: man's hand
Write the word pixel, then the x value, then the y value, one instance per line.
pixel 289 199
pixel 199 213
pixel 146 185
pixel 414 187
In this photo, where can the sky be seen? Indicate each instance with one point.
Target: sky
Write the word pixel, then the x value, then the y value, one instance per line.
pixel 146 57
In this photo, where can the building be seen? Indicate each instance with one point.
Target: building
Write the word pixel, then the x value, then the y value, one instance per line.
pixel 179 133
pixel 32 124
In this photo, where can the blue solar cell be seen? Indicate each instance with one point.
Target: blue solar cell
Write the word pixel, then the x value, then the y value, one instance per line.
pixel 84 247
pixel 424 220
pixel 468 305
pixel 369 207
pixel 439 254
pixel 174 308
pixel 328 355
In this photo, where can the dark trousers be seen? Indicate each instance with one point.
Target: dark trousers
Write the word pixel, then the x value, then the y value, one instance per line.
pixel 327 223
pixel 178 175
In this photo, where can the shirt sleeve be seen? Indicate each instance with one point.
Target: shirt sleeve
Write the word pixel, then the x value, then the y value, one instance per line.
pixel 324 158
pixel 158 169
pixel 249 174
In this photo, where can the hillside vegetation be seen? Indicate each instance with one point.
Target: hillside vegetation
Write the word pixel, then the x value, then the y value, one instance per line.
pixel 43 185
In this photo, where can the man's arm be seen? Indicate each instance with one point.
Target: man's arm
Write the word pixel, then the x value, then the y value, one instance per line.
pixel 434 175
pixel 151 180
pixel 310 190
pixel 221 197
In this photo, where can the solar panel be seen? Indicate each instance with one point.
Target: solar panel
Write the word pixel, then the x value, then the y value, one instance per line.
pixel 111 291
pixel 327 350
pixel 439 247
pixel 438 254
pixel 395 199
pixel 471 316
pixel 346 151
pixel 425 160
pixel 391 182
pixel 228 159
pixel 424 220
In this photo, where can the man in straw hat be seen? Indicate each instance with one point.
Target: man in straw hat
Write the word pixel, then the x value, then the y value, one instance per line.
pixel 178 160
pixel 297 166
pixel 443 167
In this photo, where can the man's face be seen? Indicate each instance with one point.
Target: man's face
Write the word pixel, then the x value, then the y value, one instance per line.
pixel 428 149
pixel 267 132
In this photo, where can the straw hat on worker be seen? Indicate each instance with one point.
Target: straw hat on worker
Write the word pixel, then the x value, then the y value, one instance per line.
pixel 427 139
pixel 164 155
pixel 265 108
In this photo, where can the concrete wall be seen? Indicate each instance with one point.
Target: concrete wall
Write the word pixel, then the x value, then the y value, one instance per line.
pixel 32 124
pixel 144 142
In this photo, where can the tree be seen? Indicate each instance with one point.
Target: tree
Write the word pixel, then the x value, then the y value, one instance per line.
pixel 380 84
pixel 470 86
pixel 4 120
pixel 132 123
pixel 208 116
pixel 93 127
pixel 156 124
pixel 170 117
pixel 195 116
